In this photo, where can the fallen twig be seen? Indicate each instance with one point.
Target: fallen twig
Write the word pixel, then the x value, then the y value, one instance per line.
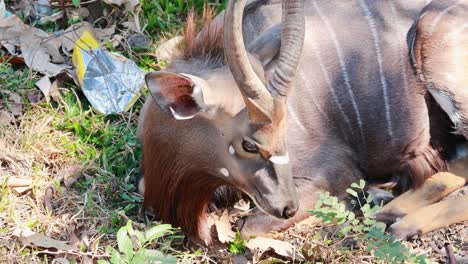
pixel 450 255
pixel 49 193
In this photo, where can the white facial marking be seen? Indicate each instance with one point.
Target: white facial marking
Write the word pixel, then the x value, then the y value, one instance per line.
pixel 231 150
pixel 280 160
pixel 197 95
pixel 224 172
pixel 179 117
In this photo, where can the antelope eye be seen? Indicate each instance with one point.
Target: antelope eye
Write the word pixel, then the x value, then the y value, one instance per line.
pixel 250 147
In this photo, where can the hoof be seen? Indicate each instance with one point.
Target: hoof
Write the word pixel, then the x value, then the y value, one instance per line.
pixel 379 196
pixel 402 230
pixel 389 217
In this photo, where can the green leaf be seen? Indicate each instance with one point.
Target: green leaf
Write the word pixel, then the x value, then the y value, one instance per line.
pixel 352 192
pixel 157 232
pixel 351 216
pixel 362 184
pixel 129 228
pixel 140 236
pixel 317 236
pixel 369 198
pixel 76 3
pixel 365 208
pixel 237 247
pixel 155 255
pixel 101 261
pixel 115 257
pixel 369 222
pixel 125 243
pixel 345 230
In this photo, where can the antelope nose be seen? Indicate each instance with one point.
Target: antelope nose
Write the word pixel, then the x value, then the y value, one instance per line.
pixel 289 211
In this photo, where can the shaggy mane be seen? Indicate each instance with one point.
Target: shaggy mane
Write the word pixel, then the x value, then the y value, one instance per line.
pixel 206 43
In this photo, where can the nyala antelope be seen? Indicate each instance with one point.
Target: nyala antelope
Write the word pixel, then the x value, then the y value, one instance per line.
pixel 279 101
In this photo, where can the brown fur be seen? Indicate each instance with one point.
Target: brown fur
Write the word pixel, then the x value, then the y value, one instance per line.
pixel 178 187
pixel 206 42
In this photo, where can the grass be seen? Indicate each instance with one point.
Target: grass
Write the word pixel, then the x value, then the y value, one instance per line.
pixel 89 159
pixel 48 142
pixel 168 15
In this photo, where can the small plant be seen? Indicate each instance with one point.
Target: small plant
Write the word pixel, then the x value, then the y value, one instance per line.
pixel 237 247
pixel 132 246
pixel 366 228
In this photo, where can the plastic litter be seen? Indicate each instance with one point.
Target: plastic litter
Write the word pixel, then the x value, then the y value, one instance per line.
pixel 111 82
pixel 3 11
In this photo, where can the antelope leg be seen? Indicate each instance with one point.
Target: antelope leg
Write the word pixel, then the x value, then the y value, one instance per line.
pixel 431 217
pixel 433 190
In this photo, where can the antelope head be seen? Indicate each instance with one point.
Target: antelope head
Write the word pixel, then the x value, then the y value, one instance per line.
pixel 234 118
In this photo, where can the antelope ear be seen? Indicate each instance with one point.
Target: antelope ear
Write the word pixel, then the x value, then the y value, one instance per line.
pixel 176 94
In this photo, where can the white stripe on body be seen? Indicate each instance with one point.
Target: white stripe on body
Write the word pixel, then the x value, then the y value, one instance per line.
pixel 330 86
pixel 343 68
pixel 401 46
pixel 383 81
pixel 437 20
pixel 294 117
pixel 291 112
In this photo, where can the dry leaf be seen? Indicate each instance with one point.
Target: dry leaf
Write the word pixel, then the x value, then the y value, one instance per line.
pixel 13 60
pixel 224 228
pixel 18 182
pixel 13 97
pixel 309 221
pixel 19 185
pixel 129 4
pixel 281 248
pixel 271 261
pixel 170 49
pixel 74 32
pixel 39 49
pixel 44 85
pixel 70 174
pixel 54 91
pixel 132 26
pixel 40 57
pixel 34 96
pixel 139 40
pixel 14 103
pixel 11 49
pixel 242 205
pixel 30 238
pixel 60 261
pixel 5 118
pixel 49 194
pixel 22 190
pixel 51 18
pixel 239 259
